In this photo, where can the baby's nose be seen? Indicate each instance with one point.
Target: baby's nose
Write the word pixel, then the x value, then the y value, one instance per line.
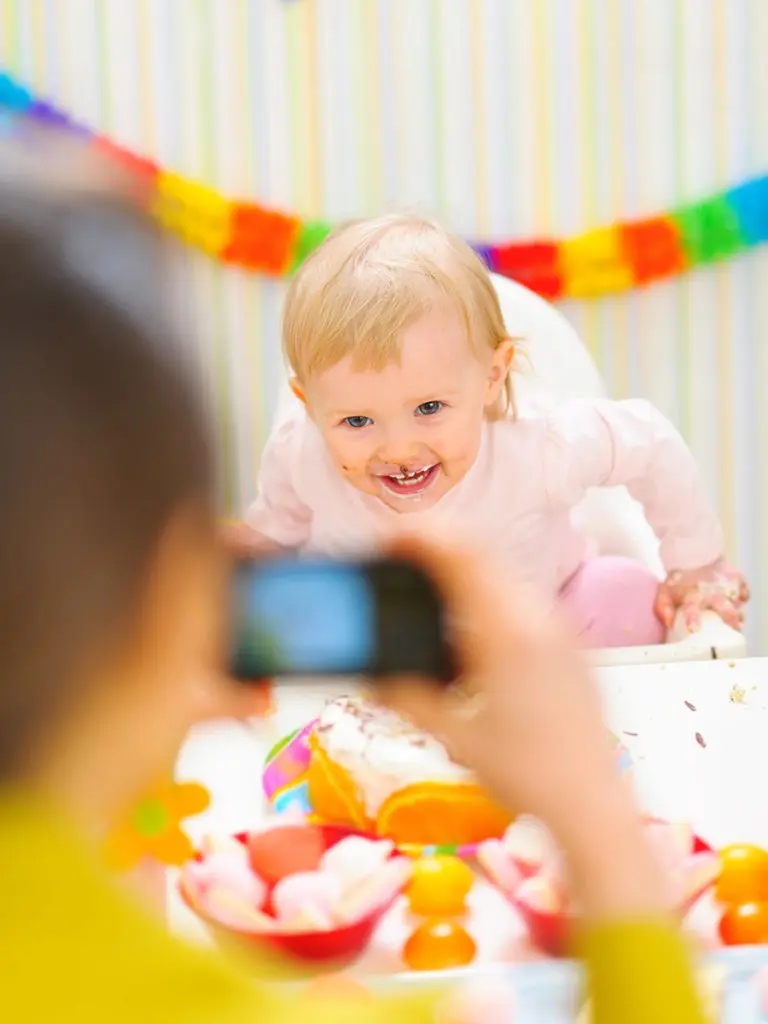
pixel 399 454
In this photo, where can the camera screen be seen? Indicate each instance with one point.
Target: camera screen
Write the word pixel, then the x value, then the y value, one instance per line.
pixel 297 617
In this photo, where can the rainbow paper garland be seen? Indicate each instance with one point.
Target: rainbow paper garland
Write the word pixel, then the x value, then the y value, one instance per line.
pixel 608 260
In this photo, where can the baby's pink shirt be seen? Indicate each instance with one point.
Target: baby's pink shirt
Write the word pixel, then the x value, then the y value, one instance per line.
pixel 516 499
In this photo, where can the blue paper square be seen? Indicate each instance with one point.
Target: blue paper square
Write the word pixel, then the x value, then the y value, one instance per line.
pixel 750 204
pixel 12 95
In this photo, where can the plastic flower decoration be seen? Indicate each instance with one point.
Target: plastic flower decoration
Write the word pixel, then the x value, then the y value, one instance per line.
pixel 151 829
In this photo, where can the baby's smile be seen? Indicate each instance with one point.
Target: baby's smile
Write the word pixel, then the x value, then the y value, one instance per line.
pixel 410 483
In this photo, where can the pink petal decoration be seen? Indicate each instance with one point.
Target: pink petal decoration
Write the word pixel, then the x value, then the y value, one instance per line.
pixel 228 870
pixel 368 894
pixel 529 844
pixel 499 866
pixel 225 909
pixel 310 893
pixel 542 895
pixel 355 857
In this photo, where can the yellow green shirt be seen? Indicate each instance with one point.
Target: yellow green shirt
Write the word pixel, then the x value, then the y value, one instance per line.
pixel 74 950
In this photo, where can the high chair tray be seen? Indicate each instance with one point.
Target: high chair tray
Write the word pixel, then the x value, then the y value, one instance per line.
pixel 715 640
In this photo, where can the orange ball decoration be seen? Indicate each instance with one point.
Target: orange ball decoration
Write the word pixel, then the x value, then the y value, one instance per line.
pixel 439 946
pixel 743 874
pixel 439 886
pixel 745 925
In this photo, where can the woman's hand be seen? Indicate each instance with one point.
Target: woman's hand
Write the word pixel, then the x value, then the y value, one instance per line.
pixel 719 587
pixel 526 718
pixel 241 540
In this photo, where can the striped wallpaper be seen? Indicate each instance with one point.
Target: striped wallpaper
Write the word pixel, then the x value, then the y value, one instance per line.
pixel 502 117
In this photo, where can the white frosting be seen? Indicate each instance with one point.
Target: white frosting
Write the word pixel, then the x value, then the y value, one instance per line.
pixel 381 751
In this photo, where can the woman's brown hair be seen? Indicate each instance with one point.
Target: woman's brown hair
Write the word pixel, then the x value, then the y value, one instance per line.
pixel 102 438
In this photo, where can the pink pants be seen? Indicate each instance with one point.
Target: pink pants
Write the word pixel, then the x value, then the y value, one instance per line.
pixel 610 602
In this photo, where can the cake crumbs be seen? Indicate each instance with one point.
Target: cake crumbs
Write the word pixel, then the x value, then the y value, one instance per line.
pixel 737 694
pixel 700 740
pixel 691 707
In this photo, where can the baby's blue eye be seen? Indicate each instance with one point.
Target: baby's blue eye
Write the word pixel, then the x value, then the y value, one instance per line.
pixel 358 421
pixel 429 408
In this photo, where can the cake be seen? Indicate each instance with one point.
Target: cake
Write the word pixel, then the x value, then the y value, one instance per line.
pixel 373 771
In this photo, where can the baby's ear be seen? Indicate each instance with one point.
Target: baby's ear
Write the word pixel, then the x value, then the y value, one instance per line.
pixel 297 389
pixel 501 363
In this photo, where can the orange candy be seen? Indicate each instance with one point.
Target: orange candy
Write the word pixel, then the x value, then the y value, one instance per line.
pixel 441 814
pixel 284 851
pixel 439 886
pixel 743 874
pixel 439 946
pixel 745 925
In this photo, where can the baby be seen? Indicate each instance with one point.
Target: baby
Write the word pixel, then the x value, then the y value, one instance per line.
pixel 403 406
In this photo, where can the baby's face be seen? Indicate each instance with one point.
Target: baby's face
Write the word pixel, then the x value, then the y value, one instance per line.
pixel 408 434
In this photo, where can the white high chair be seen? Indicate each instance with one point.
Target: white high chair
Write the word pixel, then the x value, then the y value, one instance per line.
pixel 560 368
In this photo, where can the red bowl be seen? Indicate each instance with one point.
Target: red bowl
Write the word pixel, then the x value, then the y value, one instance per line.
pixel 337 947
pixel 551 931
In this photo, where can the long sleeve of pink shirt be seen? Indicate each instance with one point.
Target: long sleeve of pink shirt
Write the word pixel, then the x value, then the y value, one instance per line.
pixel 608 443
pixel 278 513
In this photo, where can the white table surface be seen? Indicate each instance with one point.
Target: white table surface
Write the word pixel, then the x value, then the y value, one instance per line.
pixel 719 787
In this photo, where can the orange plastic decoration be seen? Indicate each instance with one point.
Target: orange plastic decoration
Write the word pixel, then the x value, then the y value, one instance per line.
pixel 441 814
pixel 745 925
pixel 439 946
pixel 152 827
pixel 439 886
pixel 332 792
pixel 743 874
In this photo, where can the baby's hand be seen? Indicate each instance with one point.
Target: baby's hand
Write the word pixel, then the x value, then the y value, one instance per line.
pixel 718 587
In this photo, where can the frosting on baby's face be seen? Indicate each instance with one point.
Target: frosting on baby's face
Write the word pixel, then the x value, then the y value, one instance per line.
pixel 407 434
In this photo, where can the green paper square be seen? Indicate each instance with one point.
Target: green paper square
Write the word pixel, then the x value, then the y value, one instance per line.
pixel 311 235
pixel 709 230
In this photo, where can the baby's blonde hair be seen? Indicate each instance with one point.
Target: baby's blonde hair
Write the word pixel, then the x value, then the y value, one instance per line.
pixel 372 279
